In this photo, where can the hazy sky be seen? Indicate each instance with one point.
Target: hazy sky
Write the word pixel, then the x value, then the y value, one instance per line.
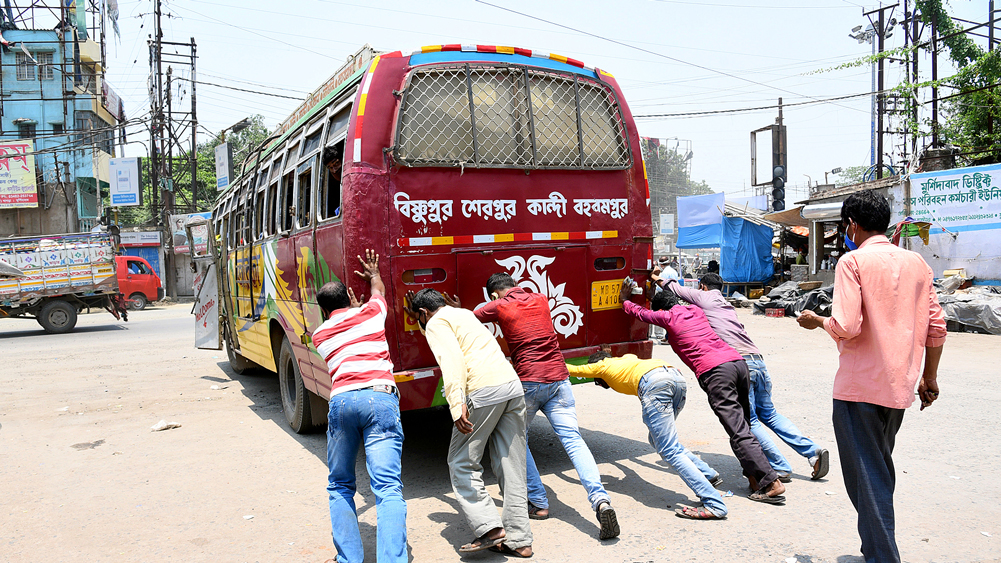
pixel 669 56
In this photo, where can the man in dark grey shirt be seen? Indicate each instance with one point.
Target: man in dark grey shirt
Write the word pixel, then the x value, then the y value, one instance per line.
pixel 723 319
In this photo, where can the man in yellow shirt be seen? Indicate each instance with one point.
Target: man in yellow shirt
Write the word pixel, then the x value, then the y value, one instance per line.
pixel 487 404
pixel 661 390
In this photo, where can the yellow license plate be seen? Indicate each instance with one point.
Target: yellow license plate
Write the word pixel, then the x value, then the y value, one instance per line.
pixel 605 295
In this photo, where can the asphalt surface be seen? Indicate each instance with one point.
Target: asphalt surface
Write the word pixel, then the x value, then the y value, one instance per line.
pixel 83 478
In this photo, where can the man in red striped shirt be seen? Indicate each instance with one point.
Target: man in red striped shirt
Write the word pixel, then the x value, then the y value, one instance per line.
pixel 364 409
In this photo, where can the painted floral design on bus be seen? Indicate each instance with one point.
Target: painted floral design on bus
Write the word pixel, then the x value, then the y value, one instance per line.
pixel 567 317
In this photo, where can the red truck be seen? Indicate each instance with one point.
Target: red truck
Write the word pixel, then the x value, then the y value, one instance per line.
pixel 137 281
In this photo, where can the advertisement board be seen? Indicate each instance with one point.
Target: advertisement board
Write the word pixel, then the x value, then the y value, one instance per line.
pixel 180 238
pixel 223 166
pixel 667 223
pixel 126 185
pixel 17 174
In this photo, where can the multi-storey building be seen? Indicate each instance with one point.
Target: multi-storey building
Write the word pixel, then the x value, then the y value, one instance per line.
pixel 52 92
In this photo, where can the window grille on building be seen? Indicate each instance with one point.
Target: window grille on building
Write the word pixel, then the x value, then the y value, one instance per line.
pixel 493 116
pixel 25 66
pixel 26 130
pixel 45 69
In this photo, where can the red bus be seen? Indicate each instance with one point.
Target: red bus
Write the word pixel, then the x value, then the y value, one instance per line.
pixel 458 162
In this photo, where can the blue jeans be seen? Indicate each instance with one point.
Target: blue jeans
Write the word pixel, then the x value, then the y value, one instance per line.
pixel 556 401
pixel 662 393
pixel 763 414
pixel 865 434
pixel 373 419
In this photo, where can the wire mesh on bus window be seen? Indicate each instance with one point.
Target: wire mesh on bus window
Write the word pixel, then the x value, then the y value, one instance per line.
pixel 600 127
pixel 500 112
pixel 441 114
pixel 435 128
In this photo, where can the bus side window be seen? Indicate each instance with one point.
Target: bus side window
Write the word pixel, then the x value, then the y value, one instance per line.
pixel 270 211
pixel 259 216
pixel 330 196
pixel 305 193
pixel 286 209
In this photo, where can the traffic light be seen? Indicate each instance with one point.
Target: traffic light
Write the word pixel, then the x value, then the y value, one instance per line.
pixel 779 188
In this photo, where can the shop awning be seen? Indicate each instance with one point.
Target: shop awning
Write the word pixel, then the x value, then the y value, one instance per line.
pixel 789 217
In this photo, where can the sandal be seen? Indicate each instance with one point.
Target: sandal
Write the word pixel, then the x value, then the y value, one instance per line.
pixel 762 497
pixel 503 548
pixel 697 513
pixel 535 513
pixel 480 544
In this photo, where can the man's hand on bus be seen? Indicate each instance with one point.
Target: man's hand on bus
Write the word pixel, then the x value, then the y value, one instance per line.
pixel 462 424
pixel 626 292
pixel 370 265
pixel 355 302
pixel 452 300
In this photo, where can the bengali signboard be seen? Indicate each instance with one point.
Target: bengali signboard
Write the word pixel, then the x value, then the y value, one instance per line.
pixel 960 204
pixel 17 174
pixel 963 199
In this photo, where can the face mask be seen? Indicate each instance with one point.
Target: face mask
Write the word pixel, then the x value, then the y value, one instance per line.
pixel 848 242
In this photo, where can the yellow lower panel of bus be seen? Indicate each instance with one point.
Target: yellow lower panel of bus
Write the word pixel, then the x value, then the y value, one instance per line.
pixel 255 344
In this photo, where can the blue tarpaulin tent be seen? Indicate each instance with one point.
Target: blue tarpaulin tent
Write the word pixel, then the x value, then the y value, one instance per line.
pixel 745 247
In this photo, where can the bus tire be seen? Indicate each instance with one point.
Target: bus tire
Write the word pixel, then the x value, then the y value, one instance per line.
pixel 137 301
pixel 57 317
pixel 295 396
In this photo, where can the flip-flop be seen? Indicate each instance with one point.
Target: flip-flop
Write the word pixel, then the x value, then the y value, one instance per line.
pixel 822 466
pixel 485 543
pixel 503 548
pixel 762 497
pixel 700 513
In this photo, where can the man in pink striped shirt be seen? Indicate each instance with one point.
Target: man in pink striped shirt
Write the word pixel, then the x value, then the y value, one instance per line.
pixel 364 409
pixel 885 318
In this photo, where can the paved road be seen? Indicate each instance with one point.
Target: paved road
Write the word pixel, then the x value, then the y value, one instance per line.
pixel 82 478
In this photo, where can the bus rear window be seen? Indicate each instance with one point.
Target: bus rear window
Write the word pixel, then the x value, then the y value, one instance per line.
pixel 482 115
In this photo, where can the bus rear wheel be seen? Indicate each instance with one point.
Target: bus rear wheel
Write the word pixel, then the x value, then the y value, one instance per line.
pixel 295 396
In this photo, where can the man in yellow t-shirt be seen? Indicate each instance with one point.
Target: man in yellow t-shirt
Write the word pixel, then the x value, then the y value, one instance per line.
pixel 661 390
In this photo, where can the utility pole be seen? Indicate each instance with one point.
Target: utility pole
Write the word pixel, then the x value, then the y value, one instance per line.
pixel 880 26
pixel 193 154
pixel 990 47
pixel 934 89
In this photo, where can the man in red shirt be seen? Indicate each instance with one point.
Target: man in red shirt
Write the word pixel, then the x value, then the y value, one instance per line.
pixel 527 324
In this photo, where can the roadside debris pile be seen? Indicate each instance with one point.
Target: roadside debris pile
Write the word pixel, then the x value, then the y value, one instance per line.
pixel 792 300
pixel 972 308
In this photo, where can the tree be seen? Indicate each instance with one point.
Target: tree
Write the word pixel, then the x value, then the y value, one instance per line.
pixel 973 119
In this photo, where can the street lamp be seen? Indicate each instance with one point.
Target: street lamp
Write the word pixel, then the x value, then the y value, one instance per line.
pixel 234 128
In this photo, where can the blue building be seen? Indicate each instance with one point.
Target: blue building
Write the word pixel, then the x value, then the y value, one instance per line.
pixel 52 91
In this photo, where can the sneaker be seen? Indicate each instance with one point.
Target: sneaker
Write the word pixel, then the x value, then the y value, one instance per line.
pixel 716 481
pixel 609 524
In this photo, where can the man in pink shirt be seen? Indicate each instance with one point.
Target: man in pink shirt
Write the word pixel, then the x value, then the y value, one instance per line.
pixel 885 314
